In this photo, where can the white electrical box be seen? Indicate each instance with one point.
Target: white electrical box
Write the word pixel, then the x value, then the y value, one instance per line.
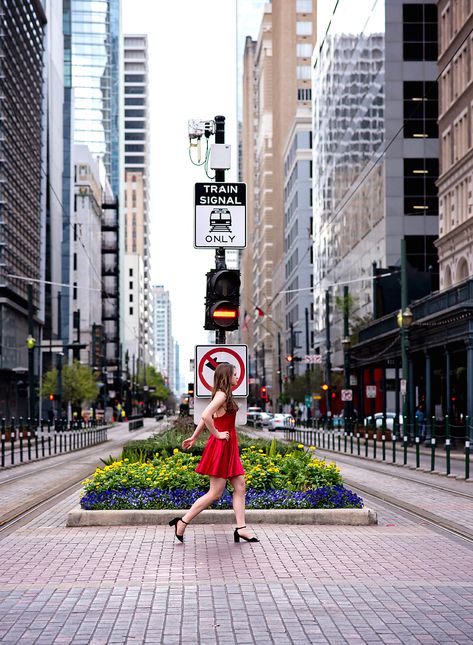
pixel 220 156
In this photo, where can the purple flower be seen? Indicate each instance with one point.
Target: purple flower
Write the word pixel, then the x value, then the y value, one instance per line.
pixel 154 498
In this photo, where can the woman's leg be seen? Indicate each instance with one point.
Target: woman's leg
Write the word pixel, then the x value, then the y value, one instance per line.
pixel 239 493
pixel 217 486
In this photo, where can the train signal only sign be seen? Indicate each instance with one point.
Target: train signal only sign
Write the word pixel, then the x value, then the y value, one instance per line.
pixel 220 215
pixel 208 358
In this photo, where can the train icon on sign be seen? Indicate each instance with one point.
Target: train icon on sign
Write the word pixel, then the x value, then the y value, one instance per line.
pixel 220 220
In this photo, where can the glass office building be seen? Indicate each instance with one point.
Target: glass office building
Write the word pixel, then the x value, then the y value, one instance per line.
pixel 375 146
pixel 95 30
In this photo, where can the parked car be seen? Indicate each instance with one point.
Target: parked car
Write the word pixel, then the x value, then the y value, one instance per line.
pixel 378 419
pixel 265 418
pixel 281 422
pixel 253 418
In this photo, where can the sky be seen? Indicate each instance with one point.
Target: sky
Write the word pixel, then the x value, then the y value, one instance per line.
pixel 192 74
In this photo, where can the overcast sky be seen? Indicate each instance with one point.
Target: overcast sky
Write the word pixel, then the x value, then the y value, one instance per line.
pixel 192 74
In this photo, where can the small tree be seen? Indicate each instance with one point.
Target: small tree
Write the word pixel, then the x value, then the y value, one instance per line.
pixel 79 383
pixel 155 381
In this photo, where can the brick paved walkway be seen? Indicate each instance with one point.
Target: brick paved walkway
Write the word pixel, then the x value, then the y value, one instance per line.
pixel 398 582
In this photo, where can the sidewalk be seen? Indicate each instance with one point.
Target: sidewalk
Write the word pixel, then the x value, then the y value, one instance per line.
pixel 400 582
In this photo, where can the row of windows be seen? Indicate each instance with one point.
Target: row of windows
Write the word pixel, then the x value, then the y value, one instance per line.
pixel 455 206
pixel 456 76
pixel 420 109
pixel 458 141
pixel 420 32
pixel 453 18
pixel 420 190
pixel 134 78
pixel 135 101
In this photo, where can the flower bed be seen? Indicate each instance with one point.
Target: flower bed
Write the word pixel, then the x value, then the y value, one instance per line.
pixel 293 480
pixel 158 499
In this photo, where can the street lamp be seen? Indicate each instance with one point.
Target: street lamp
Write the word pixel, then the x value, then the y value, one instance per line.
pixel 404 321
pixel 31 344
pixel 346 344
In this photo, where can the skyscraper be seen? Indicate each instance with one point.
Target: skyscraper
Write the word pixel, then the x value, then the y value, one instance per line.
pixel 136 139
pixel 164 343
pixel 22 181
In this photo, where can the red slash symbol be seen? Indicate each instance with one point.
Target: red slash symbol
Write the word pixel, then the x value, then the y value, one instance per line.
pixel 212 364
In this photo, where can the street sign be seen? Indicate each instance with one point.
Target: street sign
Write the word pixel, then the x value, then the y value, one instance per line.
pixel 308 400
pixel 314 359
pixel 220 216
pixel 353 380
pixel 347 395
pixel 207 359
pixel 403 386
pixel 371 391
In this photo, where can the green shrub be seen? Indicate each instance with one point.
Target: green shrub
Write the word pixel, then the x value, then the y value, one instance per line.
pixel 264 469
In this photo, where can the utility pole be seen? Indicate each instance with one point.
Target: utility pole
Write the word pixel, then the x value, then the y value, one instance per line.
pixel 292 344
pixel 328 363
pixel 59 355
pixel 220 262
pixel 346 357
pixel 307 349
pixel 279 371
pixel 30 343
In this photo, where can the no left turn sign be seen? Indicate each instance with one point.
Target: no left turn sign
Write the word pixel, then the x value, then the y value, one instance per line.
pixel 207 359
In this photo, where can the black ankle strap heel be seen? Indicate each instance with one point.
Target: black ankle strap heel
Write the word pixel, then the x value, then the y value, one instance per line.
pixel 237 537
pixel 174 523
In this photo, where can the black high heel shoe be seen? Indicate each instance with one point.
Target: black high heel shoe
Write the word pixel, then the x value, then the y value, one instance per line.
pixel 237 537
pixel 174 523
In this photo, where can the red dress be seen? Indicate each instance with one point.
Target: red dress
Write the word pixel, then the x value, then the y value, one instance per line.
pixel 220 457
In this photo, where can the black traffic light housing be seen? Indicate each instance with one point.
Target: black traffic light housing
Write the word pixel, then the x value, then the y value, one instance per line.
pixel 264 392
pixel 222 300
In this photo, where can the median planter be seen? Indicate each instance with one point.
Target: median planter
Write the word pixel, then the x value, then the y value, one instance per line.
pixel 336 516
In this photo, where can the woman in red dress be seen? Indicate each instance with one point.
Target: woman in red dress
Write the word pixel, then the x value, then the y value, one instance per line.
pixel 220 459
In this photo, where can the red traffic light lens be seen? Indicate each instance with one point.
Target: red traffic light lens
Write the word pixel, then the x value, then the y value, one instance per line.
pixel 224 314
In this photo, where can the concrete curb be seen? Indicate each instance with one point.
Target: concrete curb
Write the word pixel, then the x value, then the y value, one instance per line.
pixel 335 516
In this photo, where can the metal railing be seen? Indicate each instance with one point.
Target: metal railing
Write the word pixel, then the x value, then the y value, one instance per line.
pixel 23 440
pixel 416 445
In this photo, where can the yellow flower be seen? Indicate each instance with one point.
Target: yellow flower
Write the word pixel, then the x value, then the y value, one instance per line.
pixel 300 445
pixel 260 450
pixel 148 479
pixel 126 460
pixel 175 451
pixel 252 446
pixel 312 447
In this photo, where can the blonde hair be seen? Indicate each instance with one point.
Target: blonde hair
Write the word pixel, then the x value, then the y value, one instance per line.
pixel 223 383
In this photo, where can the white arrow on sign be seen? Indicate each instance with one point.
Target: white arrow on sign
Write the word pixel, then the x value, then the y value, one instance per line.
pixel 208 358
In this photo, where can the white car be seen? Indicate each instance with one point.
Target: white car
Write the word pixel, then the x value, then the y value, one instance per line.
pixel 265 418
pixel 281 422
pixel 378 419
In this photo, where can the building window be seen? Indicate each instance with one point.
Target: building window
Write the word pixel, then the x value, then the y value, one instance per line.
pixel 134 78
pixel 304 50
pixel 303 28
pixel 74 262
pixel 130 272
pixel 421 253
pixel 134 100
pixel 420 109
pixel 420 31
pixel 303 72
pixel 420 190
pixel 74 290
pixel 131 297
pixel 304 94
pixel 134 114
pixel 131 311
pixel 303 6
pixel 131 284
pixel 134 160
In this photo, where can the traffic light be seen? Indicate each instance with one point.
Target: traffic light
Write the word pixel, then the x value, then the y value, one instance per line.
pixel 222 299
pixel 190 389
pixel 325 387
pixel 289 358
pixel 264 392
pixel 51 396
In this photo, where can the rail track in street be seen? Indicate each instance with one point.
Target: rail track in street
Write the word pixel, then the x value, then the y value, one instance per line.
pixel 447 526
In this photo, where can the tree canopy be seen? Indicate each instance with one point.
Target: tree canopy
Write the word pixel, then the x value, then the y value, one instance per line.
pixel 79 383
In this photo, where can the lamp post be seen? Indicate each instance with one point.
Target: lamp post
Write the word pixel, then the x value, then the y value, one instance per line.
pixel 31 344
pixel 404 321
pixel 346 344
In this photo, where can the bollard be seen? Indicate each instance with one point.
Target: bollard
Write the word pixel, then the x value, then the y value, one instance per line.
pixel 367 436
pixel 345 438
pixel 374 442
pixel 383 438
pixel 351 442
pixel 358 442
pixel 467 448
pixel 394 438
pixel 28 436
pixel 12 440
pixel 405 438
pixel 447 444
pixel 432 446
pixel 20 430
pixel 3 437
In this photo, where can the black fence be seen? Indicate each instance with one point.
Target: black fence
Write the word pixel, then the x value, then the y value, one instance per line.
pixel 23 440
pixel 422 446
